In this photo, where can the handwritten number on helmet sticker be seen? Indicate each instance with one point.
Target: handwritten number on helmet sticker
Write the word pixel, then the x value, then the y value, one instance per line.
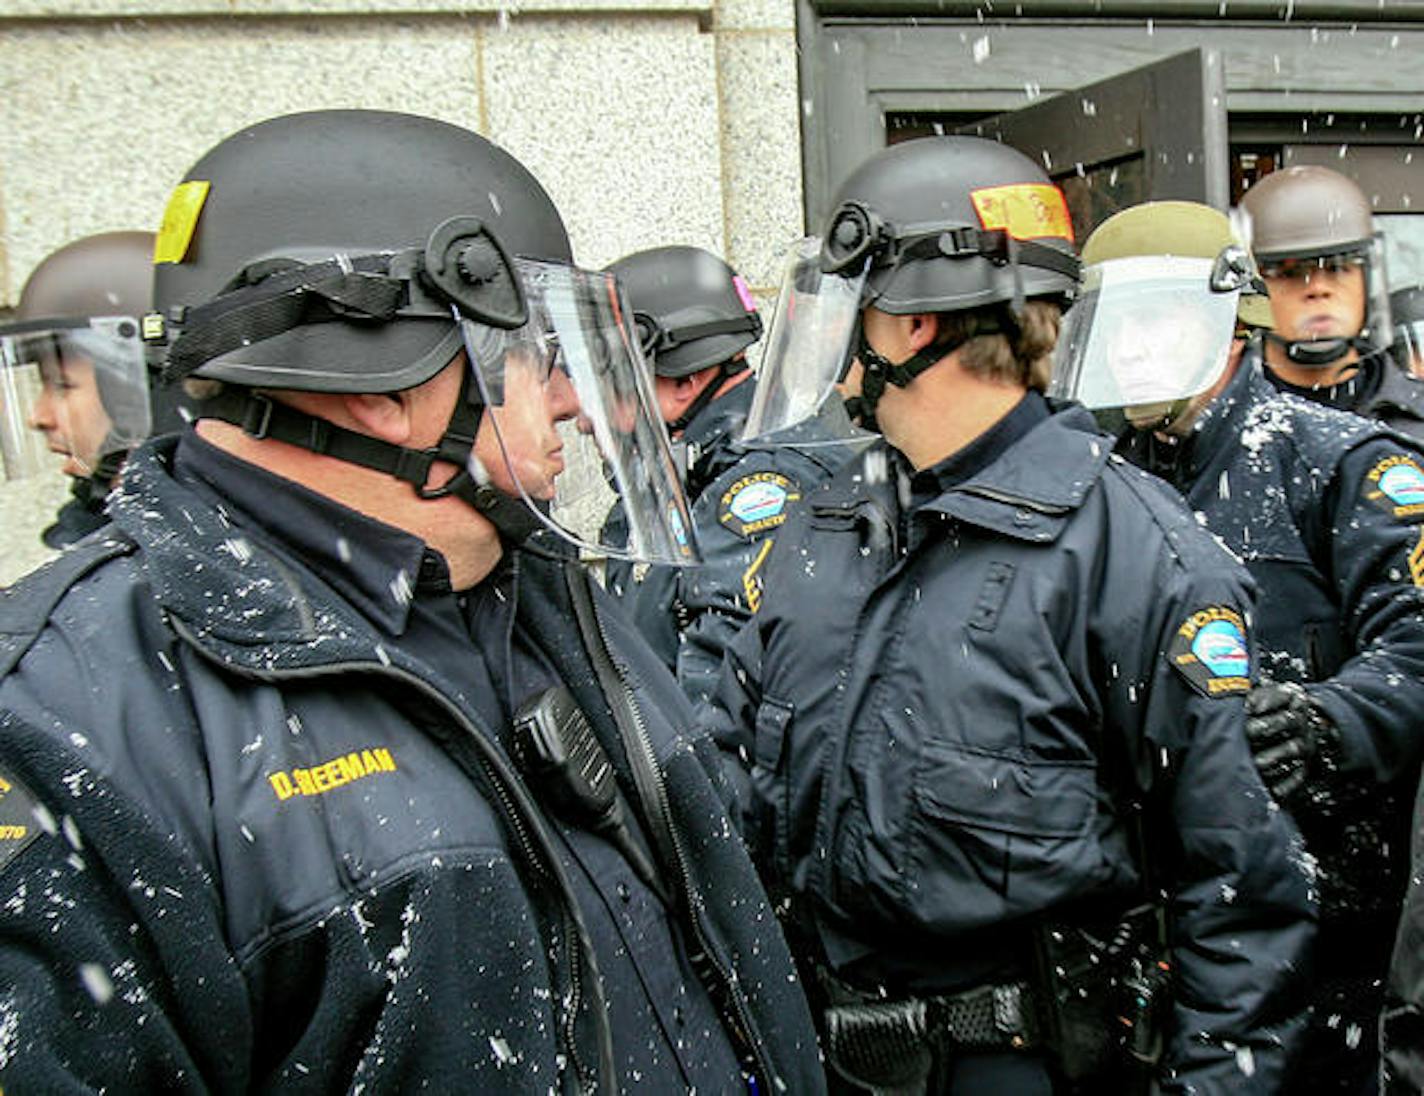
pixel 1209 649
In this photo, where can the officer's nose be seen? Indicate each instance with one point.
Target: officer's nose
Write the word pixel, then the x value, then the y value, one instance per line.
pixel 42 415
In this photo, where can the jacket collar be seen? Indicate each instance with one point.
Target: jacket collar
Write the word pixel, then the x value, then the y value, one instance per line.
pixel 1028 493
pixel 711 437
pixel 1031 490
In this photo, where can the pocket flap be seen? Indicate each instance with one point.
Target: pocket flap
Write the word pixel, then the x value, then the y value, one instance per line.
pixel 1029 797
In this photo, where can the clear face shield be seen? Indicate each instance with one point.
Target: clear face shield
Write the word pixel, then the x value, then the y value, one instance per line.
pixel 78 389
pixel 1409 346
pixel 808 350
pixel 1147 335
pixel 571 421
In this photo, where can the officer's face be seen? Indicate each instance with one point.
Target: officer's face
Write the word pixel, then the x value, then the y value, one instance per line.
pixel 71 414
pixel 1314 299
pixel 519 443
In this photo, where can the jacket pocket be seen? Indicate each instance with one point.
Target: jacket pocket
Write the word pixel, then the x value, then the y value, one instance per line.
pixel 999 835
pixel 771 793
pixel 1325 649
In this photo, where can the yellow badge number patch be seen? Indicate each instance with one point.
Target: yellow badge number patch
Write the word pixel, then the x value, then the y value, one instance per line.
pixel 180 220
pixel 1396 485
pixel 1209 649
pixel 17 818
pixel 1029 211
pixel 756 503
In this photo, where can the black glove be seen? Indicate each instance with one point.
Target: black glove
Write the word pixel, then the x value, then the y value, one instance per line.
pixel 1288 734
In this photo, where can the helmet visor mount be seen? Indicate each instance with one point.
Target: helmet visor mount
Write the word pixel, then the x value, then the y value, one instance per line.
pixel 571 421
pixel 74 387
pixel 1147 334
pixel 809 344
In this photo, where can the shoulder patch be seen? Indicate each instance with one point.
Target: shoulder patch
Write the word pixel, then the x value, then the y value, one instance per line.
pixel 1396 485
pixel 754 504
pixel 1209 649
pixel 17 818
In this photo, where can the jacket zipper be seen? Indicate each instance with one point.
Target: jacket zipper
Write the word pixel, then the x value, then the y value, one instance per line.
pixel 544 861
pixel 689 890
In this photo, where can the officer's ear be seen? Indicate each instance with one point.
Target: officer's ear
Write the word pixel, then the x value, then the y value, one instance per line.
pixel 386 416
pixel 922 328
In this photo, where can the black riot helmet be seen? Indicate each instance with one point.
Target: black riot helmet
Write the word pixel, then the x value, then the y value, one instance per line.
pixel 356 251
pixel 249 261
pixel 691 309
pixel 938 224
pixel 949 224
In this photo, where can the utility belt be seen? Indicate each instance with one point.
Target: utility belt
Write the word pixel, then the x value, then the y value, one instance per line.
pixel 1096 1007
pixel 881 1044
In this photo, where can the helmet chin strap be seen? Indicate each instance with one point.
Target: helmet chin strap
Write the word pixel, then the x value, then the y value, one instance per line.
pixel 727 369
pixel 878 371
pixel 261 417
pixel 1319 353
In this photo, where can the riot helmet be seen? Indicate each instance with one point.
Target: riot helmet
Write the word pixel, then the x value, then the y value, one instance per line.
pixel 691 310
pixel 938 224
pixel 73 376
pixel 1154 321
pixel 356 251
pixel 1406 307
pixel 1310 226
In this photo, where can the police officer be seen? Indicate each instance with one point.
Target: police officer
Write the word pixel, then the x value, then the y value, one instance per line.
pixel 1406 310
pixel 312 777
pixel 1327 511
pixel 74 372
pixel 696 319
pixel 992 704
pixel 1314 240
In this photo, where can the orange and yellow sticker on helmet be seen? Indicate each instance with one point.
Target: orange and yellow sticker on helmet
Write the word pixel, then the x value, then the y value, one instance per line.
pixel 1028 211
pixel 180 219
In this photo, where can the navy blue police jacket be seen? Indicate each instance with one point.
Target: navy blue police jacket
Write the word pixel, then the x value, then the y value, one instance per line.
pixel 944 714
pixel 740 495
pixel 250 840
pixel 1327 510
pixel 1379 389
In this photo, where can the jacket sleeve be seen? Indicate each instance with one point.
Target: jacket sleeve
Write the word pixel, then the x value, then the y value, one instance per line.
pixel 114 970
pixel 728 715
pixel 737 517
pixel 1376 559
pixel 1238 882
